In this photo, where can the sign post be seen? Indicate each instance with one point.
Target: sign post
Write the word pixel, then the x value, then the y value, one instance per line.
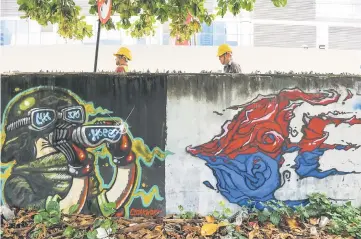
pixel 104 12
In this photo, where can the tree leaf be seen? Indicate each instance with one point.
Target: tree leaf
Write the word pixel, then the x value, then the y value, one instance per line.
pixel 97 222
pixel 54 213
pixel 92 234
pixel 106 224
pixel 54 220
pixel 38 219
pixel 275 218
pixel 73 209
pixel 73 25
pixel 180 208
pixel 216 214
pixel 52 206
pixel 68 232
pixel 44 215
pixel 227 211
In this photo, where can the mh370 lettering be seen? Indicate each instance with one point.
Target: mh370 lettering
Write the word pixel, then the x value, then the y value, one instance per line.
pixel 73 114
pixel 96 134
pixel 43 118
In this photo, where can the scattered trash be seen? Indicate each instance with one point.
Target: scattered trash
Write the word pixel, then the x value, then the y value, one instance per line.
pixel 313 231
pixel 323 221
pixel 103 234
pixel 237 218
pixel 6 212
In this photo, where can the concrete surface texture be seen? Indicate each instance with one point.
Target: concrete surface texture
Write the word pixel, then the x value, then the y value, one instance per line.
pixel 261 138
pixel 152 142
pixel 188 59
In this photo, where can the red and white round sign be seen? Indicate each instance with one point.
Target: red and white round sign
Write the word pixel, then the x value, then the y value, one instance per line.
pixel 104 10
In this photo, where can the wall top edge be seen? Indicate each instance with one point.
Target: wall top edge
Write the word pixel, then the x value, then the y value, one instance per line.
pixel 137 74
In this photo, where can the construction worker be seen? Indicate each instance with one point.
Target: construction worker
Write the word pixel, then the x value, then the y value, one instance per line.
pixel 225 57
pixel 123 55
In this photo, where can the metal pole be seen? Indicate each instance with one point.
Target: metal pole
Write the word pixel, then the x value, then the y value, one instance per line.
pixel 97 48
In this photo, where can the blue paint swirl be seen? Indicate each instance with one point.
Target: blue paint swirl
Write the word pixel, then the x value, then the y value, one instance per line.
pixel 252 177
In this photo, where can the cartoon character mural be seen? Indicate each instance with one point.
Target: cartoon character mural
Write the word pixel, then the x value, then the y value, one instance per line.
pixel 54 146
pixel 247 156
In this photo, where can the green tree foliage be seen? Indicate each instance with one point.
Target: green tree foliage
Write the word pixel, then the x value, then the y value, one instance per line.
pixel 72 25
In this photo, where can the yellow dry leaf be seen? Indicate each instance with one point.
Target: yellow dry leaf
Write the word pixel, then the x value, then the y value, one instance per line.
pixel 191 229
pixel 293 224
pixel 83 222
pixel 286 236
pixel 210 219
pixel 267 232
pixel 209 229
pixel 158 228
pixel 314 221
pixel 268 229
pixel 253 234
pixel 270 226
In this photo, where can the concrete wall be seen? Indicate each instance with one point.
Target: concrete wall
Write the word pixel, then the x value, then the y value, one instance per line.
pixel 112 152
pixel 197 112
pixel 190 140
pixel 70 58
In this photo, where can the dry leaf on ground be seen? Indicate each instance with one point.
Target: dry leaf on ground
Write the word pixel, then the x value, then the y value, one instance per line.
pixel 314 221
pixel 294 226
pixel 210 219
pixel 209 229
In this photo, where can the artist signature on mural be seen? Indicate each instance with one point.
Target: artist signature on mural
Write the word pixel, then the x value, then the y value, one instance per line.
pixel 141 212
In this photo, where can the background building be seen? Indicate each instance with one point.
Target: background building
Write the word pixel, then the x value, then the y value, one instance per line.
pixel 333 24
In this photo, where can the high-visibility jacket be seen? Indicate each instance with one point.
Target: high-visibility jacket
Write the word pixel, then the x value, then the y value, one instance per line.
pixel 122 68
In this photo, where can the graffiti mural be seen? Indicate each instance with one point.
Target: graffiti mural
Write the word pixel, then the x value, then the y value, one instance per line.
pixel 247 156
pixel 56 146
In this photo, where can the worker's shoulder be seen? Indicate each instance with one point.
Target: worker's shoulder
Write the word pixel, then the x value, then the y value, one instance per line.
pixel 235 66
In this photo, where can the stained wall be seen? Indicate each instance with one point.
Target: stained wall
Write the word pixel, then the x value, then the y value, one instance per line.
pixel 152 142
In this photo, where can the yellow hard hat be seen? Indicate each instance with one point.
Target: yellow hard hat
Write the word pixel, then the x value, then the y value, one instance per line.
pixel 123 51
pixel 222 49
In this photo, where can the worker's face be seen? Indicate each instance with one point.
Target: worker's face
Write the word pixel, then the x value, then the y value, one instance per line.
pixel 117 60
pixel 225 58
pixel 120 60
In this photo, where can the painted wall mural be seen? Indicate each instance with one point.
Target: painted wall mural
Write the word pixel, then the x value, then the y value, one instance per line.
pixel 247 156
pixel 56 146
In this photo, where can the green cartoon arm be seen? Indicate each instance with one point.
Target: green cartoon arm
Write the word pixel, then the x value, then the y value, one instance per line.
pixel 18 193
